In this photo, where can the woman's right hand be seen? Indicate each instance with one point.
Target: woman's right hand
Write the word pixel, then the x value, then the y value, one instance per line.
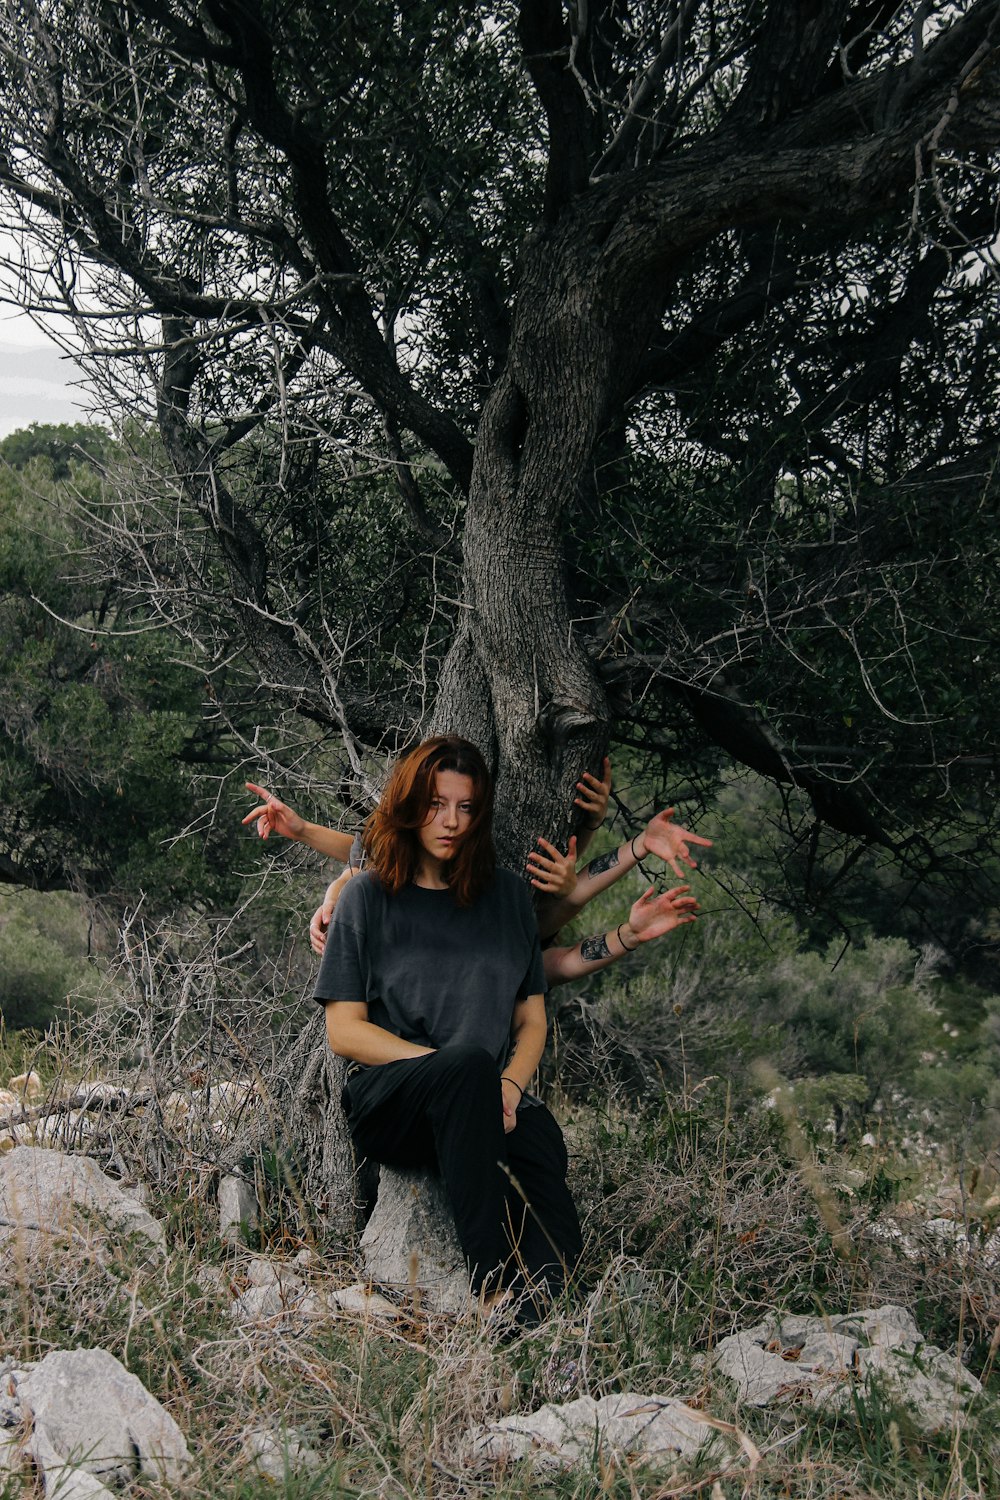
pixel 274 816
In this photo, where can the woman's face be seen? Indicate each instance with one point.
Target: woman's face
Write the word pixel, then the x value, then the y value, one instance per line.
pixel 448 816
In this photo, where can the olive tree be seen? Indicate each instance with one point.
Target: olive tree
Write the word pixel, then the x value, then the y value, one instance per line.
pixel 672 324
pixel 554 372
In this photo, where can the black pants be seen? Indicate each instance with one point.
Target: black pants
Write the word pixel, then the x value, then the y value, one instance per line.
pixel 516 1221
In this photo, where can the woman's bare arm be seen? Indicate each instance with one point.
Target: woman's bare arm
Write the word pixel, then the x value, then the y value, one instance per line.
pixel 661 836
pixel 650 917
pixel 352 1035
pixel 276 816
pixel 528 1029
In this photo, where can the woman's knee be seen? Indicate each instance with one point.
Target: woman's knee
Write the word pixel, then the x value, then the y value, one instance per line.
pixel 466 1061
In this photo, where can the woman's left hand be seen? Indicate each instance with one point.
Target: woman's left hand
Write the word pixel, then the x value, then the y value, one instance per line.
pixel 511 1099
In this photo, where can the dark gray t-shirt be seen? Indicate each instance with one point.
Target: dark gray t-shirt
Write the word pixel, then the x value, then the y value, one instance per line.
pixel 429 970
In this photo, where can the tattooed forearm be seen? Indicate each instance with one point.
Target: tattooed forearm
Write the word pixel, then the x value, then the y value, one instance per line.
pixel 593 949
pixel 601 863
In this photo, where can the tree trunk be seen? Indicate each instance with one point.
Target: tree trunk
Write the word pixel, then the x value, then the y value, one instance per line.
pixel 518 680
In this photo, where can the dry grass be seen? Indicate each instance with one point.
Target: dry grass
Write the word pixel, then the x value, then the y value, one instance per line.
pixel 700 1217
pixel 696 1224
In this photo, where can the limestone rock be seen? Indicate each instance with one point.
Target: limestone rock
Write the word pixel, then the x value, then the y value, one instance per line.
pixel 363 1301
pixel 10 1454
pixel 237 1208
pixel 89 1413
pixel 274 1291
pixel 651 1429
pixel 48 1193
pixel 62 1480
pixel 279 1454
pixel 410 1240
pixel 824 1361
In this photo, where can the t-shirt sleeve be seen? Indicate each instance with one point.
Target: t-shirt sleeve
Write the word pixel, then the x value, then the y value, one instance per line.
pixel 345 969
pixel 534 981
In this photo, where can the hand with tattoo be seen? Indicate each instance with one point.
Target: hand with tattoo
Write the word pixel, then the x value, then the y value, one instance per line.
pixel 652 916
pixel 668 841
pixel 551 872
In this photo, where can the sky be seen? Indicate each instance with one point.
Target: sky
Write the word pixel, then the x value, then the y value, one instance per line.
pixel 36 378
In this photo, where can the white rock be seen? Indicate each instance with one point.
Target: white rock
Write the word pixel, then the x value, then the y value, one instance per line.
pixel 88 1411
pixel 412 1229
pixel 823 1361
pixel 26 1085
pixel 62 1480
pixel 237 1207
pixel 278 1455
pixel 263 1272
pixel 97 1091
pixel 361 1299
pixel 653 1429
pixel 274 1291
pixel 49 1193
pixel 229 1096
pixel 950 1235
pixel 8 1101
pixel 11 1454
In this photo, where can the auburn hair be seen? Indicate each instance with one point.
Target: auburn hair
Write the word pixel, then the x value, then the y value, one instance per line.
pixel 390 833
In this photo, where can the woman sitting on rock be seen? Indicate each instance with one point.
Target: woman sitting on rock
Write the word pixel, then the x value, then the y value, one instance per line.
pixel 433 985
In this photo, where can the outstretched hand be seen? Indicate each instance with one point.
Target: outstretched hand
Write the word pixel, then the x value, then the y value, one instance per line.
pixel 670 842
pixel 594 793
pixel 551 872
pixel 652 916
pixel 274 816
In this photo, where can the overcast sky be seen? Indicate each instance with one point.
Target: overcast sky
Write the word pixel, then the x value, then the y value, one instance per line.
pixel 36 379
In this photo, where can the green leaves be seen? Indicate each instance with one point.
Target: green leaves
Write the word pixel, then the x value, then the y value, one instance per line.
pixel 103 720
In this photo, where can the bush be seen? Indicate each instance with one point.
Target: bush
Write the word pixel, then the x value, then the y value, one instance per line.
pixel 43 957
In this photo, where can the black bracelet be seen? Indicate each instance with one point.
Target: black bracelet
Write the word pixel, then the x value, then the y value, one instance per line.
pixel 504 1078
pixel 623 942
pixel 637 857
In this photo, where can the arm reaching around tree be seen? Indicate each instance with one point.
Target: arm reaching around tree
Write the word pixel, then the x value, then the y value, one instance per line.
pixel 323 915
pixel 552 873
pixel 651 917
pixel 661 836
pixel 669 841
pixel 275 816
pixel 594 793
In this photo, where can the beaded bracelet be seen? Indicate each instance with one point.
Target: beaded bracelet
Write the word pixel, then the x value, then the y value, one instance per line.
pixel 505 1079
pixel 623 942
